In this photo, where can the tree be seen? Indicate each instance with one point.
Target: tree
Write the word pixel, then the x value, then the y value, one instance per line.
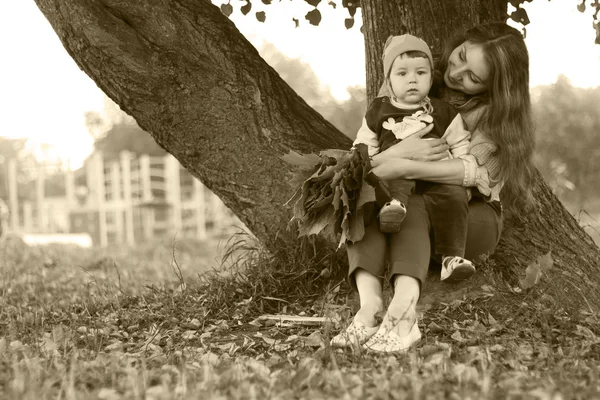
pixel 568 145
pixel 191 80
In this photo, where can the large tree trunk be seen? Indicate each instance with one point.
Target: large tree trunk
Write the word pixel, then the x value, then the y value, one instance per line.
pixel 201 90
pixel 190 79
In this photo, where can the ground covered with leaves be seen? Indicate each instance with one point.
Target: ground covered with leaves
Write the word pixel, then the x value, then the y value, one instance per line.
pixel 158 322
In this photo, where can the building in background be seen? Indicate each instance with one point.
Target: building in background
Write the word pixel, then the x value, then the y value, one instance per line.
pixel 123 199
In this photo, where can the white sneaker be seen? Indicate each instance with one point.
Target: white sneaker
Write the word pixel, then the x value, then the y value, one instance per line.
pixel 391 216
pixel 354 335
pixel 456 269
pixel 391 342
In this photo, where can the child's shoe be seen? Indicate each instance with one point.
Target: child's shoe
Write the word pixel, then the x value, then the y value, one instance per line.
pixel 391 216
pixel 456 269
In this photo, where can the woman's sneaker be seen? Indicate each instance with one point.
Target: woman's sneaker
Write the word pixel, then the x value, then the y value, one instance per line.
pixel 354 335
pixel 391 216
pixel 456 269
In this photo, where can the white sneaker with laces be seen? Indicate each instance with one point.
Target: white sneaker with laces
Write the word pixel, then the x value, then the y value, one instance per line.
pixel 456 269
pixel 355 334
pixel 391 342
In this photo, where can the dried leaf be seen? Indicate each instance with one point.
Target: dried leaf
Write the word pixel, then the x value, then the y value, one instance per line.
pixel 305 161
pixel 261 16
pixel 546 262
pixel 315 339
pixel 335 153
pixel 533 274
pixel 435 328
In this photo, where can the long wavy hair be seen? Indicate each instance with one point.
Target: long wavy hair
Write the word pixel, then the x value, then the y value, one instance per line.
pixel 507 119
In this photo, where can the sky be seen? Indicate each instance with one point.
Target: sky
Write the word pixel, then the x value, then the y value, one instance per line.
pixel 44 95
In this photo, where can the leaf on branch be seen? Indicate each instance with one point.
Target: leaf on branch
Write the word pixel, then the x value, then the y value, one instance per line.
pixel 351 5
pixel 520 16
pixel 267 2
pixel 349 23
pixel 597 27
pixel 261 16
pixel 245 9
pixel 332 4
pixel 296 22
pixel 313 3
pixel 226 9
pixel 314 17
pixel 581 7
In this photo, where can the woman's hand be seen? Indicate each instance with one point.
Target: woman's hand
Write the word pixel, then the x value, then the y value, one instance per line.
pixel 415 148
pixel 393 162
pixel 420 149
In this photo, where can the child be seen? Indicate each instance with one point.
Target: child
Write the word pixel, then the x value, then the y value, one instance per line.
pixel 408 67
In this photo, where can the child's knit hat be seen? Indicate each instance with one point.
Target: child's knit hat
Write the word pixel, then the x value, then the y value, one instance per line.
pixel 396 45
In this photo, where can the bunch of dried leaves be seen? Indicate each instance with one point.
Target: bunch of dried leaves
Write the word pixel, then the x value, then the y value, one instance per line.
pixel 335 193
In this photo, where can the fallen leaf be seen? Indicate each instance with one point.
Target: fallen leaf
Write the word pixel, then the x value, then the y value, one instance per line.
pixel 16 345
pixel 457 336
pixel 315 339
pixel 189 335
pixel 116 346
pixel 435 328
pixel 497 347
pixel 533 274
pixel 487 288
pixel 546 262
pixel 108 394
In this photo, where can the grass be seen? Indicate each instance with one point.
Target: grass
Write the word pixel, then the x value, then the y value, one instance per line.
pixel 163 322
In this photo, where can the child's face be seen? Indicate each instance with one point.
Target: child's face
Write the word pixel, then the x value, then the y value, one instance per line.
pixel 410 79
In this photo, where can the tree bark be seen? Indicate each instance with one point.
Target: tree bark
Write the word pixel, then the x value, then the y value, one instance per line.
pixel 201 90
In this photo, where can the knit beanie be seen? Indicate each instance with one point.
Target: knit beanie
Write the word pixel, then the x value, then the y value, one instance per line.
pixel 396 45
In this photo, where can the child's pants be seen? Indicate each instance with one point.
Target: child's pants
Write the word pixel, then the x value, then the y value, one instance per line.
pixel 447 206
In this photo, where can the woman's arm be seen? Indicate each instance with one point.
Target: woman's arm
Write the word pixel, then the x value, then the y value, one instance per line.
pixel 447 171
pixel 462 171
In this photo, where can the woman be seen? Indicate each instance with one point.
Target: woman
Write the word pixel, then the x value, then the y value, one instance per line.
pixel 486 77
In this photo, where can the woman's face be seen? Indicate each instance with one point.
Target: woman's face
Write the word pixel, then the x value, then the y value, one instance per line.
pixel 467 69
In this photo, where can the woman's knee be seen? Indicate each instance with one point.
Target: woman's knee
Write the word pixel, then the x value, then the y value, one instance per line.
pixel 484 229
